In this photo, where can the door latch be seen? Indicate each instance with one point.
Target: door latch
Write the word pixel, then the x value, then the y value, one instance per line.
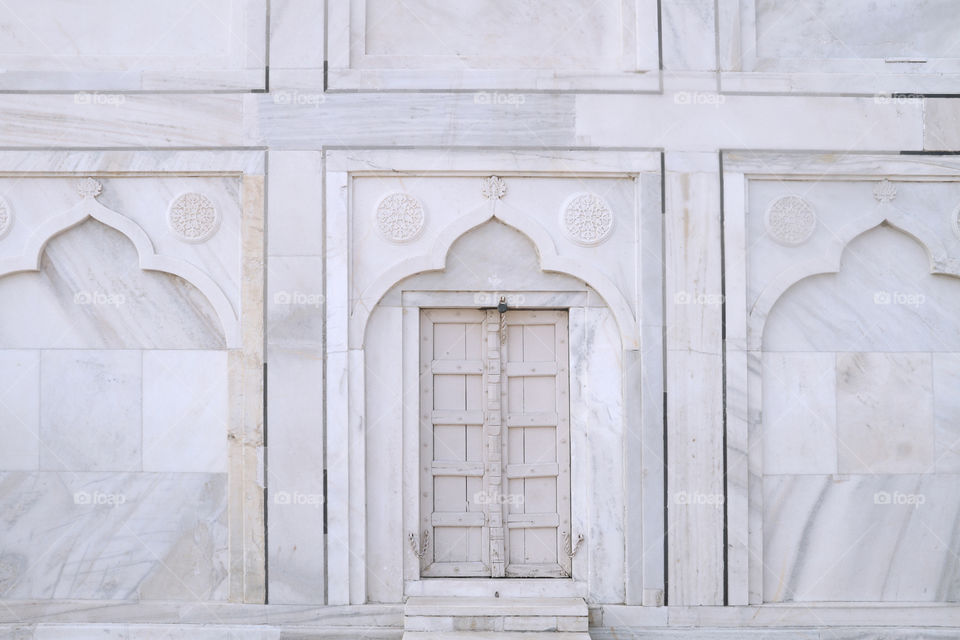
pixel 418 546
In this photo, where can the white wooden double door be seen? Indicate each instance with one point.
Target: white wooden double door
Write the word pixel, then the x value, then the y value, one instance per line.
pixel 494 443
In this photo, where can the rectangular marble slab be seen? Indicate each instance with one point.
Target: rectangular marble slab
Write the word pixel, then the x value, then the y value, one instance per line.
pixel 541 44
pixel 880 538
pixel 885 413
pixel 19 409
pixel 178 44
pixel 799 413
pixel 106 536
pixel 946 411
pixel 90 410
pixel 185 411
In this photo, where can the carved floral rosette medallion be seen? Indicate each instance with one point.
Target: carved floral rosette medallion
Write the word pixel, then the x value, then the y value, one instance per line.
pixel 586 219
pixel 6 217
pixel 89 188
pixel 400 217
pixel 493 188
pixel 790 220
pixel 193 217
pixel 884 191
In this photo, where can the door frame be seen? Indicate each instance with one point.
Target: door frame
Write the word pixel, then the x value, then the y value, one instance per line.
pixel 575 303
pixel 496 416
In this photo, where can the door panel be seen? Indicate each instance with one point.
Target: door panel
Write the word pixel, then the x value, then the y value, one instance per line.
pixel 451 441
pixel 495 443
pixel 538 443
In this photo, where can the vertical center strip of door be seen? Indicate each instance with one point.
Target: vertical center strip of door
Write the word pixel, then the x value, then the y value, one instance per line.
pixel 493 435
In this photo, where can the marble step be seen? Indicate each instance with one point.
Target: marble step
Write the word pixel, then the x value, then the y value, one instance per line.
pixel 485 617
pixel 495 635
pixel 474 605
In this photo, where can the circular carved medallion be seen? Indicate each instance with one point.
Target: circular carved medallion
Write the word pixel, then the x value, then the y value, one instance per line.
pixel 193 217
pixel 400 217
pixel 790 220
pixel 586 218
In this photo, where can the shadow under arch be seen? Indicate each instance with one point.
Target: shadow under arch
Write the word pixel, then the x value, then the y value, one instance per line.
pixel 148 259
pixel 549 261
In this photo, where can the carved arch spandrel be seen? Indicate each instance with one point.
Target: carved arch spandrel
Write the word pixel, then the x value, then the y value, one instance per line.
pixel 830 262
pixel 149 260
pixel 550 261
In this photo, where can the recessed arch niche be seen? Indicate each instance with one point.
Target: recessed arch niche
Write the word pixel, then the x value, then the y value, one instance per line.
pixel 597 429
pixel 842 360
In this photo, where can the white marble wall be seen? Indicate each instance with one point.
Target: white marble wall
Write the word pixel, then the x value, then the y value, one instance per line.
pixel 116 383
pixel 102 46
pixel 852 287
pixel 832 392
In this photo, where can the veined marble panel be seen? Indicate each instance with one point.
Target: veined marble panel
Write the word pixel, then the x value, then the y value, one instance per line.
pixel 294 476
pixel 885 413
pixel 90 410
pixel 946 411
pixel 821 46
pixel 185 411
pixel 59 44
pixel 123 536
pixel 883 298
pixel 19 410
pixel 39 203
pixel 799 413
pixel 91 293
pixel 536 44
pixel 861 538
pixel 816 29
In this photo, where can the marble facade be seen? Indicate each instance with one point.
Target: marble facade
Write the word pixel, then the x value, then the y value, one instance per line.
pixel 220 221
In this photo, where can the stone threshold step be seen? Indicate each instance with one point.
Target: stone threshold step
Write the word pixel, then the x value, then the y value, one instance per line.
pixel 495 635
pixel 487 606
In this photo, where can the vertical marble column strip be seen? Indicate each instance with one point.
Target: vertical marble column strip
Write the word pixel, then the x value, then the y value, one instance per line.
pixel 694 380
pixel 247 524
pixel 411 440
pixel 336 384
pixel 737 472
pixel 643 392
pixel 755 567
pixel 581 477
pixel 357 478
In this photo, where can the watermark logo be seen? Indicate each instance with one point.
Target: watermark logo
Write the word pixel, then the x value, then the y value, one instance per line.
pixel 686 297
pixel 701 98
pixel 105 99
pixel 99 498
pixel 296 498
pixel 300 298
pixel 492 299
pixel 501 99
pixel 494 497
pixel 899 298
pixel 300 99
pixel 899 498
pixel 697 498
pixel 902 98
pixel 98 298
